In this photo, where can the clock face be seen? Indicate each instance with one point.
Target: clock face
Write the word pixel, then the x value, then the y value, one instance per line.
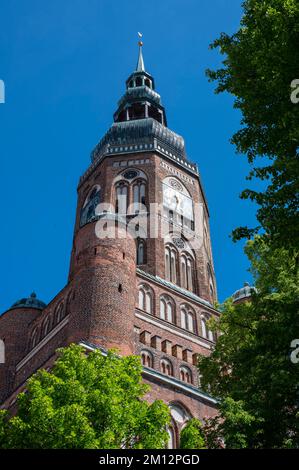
pixel 177 202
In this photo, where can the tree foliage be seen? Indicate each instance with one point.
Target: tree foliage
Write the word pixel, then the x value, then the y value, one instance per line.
pixel 86 402
pixel 230 427
pixel 192 435
pixel 261 61
pixel 250 368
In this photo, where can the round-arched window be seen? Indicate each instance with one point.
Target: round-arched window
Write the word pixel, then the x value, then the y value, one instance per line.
pixel 167 309
pixel 186 374
pixel 166 367
pixel 89 206
pixel 146 358
pixel 145 298
pixel 140 252
pixel 188 318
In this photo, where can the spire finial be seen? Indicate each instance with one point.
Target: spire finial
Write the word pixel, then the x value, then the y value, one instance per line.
pixel 140 63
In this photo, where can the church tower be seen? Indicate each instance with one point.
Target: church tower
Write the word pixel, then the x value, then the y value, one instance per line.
pixel 141 275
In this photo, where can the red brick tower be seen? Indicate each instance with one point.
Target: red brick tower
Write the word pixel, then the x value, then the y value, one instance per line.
pixel 141 274
pixel 103 272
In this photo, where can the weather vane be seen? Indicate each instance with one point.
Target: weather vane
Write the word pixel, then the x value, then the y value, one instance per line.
pixel 140 43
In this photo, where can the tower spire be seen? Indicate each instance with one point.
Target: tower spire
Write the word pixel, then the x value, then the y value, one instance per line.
pixel 140 63
pixel 140 100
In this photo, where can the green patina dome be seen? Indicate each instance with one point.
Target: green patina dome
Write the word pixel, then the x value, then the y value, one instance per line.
pixel 244 293
pixel 29 302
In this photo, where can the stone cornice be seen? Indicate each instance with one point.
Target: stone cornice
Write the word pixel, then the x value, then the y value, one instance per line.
pixel 175 383
pixel 146 147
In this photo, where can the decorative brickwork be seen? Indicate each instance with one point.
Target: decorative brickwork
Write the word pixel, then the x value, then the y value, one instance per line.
pixel 147 297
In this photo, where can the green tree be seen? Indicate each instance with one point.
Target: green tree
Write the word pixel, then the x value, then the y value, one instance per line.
pixel 230 426
pixel 86 401
pixel 250 368
pixel 261 61
pixel 192 436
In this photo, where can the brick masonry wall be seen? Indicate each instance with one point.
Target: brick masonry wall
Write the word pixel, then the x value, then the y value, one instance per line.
pixel 105 290
pixel 13 327
pixel 99 305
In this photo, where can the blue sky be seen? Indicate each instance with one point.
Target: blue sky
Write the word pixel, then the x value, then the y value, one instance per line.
pixel 64 64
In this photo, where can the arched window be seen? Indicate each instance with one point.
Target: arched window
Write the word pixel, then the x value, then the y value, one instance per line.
pixel 88 210
pixel 2 351
pixel 46 326
pixel 179 261
pixel 167 263
pixel 162 309
pixel 187 272
pixel 148 302
pixel 190 274
pixel 140 252
pixel 90 213
pixel 199 379
pixel 171 264
pixel 167 309
pixel 69 299
pixel 145 298
pixel 171 444
pixel 183 272
pixel 121 203
pixel 59 313
pixel 141 299
pixel 92 193
pixel 209 333
pixel 166 367
pixel 179 414
pixel 203 322
pixel 187 319
pixel 34 338
pixel 186 375
pixel 146 358
pixel 130 191
pixel 139 196
pixel 205 331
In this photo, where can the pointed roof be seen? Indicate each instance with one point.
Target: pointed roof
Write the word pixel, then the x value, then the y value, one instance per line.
pixel 140 124
pixel 140 64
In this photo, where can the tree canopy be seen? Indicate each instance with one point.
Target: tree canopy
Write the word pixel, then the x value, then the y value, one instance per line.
pixel 192 435
pixel 250 368
pixel 87 401
pixel 259 69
